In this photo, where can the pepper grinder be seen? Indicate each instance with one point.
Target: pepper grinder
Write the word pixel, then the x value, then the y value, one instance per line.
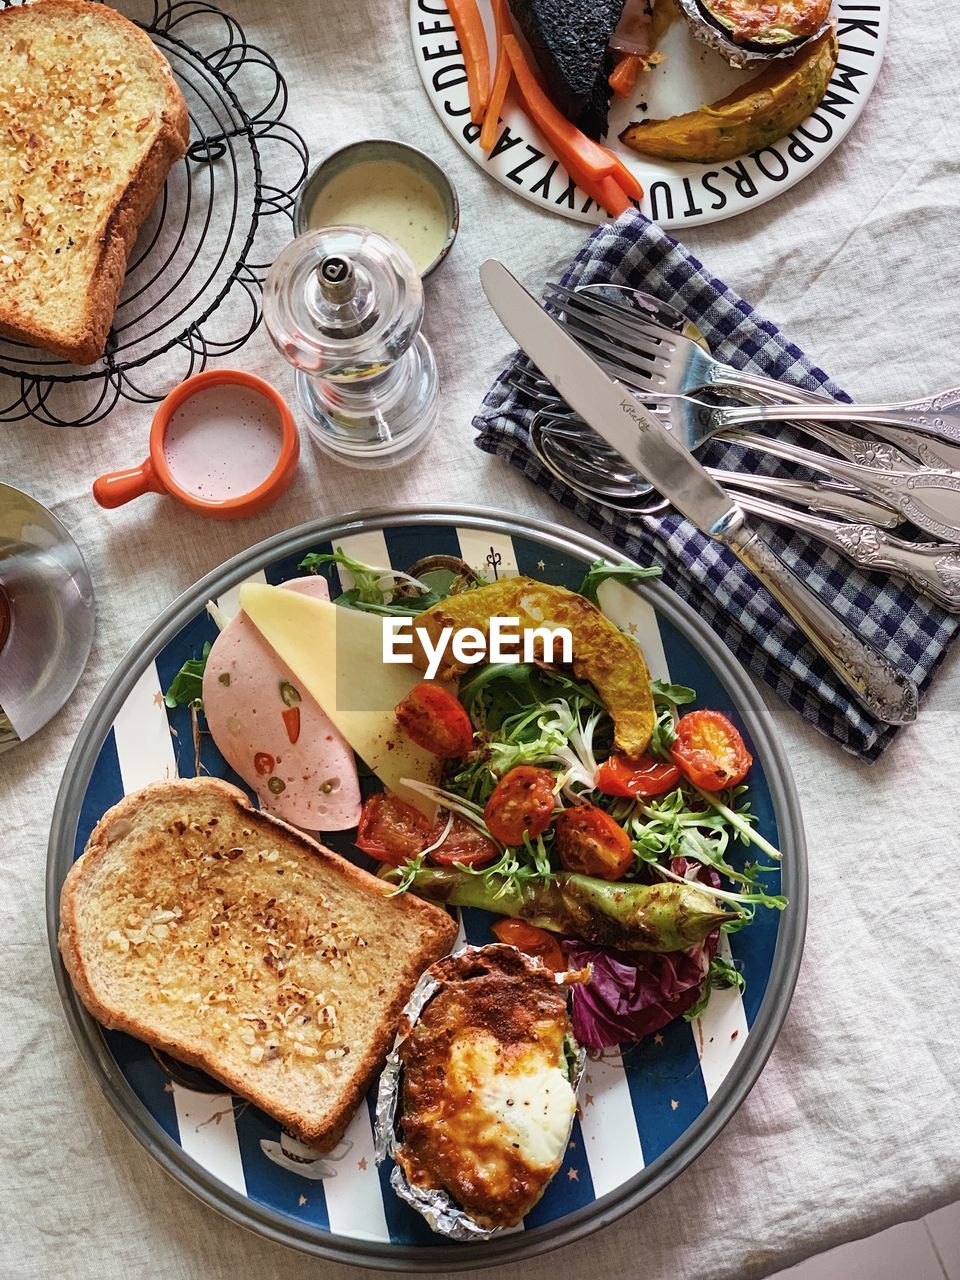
pixel 344 306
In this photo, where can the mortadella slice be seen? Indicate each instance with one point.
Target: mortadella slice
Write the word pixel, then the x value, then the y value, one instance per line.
pixel 274 734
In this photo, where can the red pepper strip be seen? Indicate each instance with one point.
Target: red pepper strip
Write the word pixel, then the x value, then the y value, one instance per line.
pixel 476 59
pixel 623 78
pixel 291 720
pixel 501 78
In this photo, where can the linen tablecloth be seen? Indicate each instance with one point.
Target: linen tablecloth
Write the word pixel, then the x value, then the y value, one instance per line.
pixel 855 1122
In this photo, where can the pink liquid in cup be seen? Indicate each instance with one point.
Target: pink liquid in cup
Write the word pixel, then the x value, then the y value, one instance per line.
pixel 223 442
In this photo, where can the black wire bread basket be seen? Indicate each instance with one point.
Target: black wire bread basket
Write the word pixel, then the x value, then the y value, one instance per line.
pixel 194 279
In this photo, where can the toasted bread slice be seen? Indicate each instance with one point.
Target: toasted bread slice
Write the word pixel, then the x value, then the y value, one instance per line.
pixel 91 120
pixel 229 940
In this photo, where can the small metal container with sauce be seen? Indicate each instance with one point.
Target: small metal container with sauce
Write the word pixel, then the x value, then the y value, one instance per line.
pixel 388 187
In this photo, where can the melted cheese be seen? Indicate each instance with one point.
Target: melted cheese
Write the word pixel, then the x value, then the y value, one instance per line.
pixel 523 1103
pixel 336 653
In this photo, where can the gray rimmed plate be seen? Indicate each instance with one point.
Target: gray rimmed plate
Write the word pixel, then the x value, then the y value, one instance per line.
pixel 645 1114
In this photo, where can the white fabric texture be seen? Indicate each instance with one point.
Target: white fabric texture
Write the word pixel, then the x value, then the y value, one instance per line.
pixel 855 1122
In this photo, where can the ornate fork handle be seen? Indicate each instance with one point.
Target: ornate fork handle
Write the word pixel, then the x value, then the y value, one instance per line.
pixel 885 691
pixel 932 568
pixel 931 450
pixel 942 425
pixel 931 499
pixel 866 453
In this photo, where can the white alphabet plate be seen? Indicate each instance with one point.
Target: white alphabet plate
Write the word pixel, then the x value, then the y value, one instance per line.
pixel 676 194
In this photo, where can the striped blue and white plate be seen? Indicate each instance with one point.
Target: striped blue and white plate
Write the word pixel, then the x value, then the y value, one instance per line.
pixel 644 1114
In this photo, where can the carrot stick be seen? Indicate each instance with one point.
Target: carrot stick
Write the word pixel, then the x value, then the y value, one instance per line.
pixel 473 45
pixel 608 195
pixel 625 180
pixel 623 78
pixel 574 148
pixel 501 77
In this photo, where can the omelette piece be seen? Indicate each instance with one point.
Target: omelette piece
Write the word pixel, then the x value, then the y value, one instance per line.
pixel 488 1103
pixel 611 660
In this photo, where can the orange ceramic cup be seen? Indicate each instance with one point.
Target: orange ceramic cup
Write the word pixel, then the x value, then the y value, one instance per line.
pixel 153 475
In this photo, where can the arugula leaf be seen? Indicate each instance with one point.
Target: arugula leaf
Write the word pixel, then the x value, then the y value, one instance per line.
pixel 186 687
pixel 366 581
pixel 722 974
pixel 373 590
pixel 600 572
pixel 664 733
pixel 678 694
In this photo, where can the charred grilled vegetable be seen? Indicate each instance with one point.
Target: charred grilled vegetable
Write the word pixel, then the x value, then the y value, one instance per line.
pixel 629 917
pixel 749 31
pixel 569 39
pixel 753 116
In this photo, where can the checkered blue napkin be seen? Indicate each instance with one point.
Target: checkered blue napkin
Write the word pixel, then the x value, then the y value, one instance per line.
pixel 914 633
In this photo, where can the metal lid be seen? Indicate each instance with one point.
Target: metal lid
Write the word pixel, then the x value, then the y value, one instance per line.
pixel 342 302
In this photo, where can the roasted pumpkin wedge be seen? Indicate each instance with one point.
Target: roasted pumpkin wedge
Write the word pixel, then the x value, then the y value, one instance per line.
pixel 756 115
pixel 602 653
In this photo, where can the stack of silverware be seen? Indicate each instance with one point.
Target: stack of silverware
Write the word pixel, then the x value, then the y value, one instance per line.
pixel 885 486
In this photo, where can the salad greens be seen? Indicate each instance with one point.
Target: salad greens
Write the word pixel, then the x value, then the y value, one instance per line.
pixel 375 590
pixel 601 571
pixel 186 687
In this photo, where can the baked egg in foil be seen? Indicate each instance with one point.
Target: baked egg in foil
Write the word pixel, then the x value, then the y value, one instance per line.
pixel 749 32
pixel 478 1096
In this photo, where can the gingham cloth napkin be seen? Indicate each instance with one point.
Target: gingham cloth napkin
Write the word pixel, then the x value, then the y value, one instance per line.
pixel 914 633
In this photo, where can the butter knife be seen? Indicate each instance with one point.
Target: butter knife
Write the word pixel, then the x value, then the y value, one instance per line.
pixel 879 686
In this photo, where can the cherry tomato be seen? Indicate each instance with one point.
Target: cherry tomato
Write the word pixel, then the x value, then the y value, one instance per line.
pixel 531 941
pixel 392 830
pixel 710 750
pixel 591 843
pixel 522 801
pixel 435 720
pixel 464 844
pixel 640 778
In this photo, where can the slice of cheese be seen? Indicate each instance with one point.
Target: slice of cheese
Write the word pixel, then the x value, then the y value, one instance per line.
pixel 336 653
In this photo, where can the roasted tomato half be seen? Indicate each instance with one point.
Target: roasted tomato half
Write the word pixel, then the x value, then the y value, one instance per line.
pixel 522 803
pixel 531 941
pixel 710 750
pixel 638 779
pixel 435 720
pixel 591 843
pixel 464 844
pixel 392 830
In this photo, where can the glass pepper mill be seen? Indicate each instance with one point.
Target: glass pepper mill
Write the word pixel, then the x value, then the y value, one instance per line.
pixel 344 305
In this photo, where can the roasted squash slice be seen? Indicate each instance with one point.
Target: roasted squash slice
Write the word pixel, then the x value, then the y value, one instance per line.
pixel 756 115
pixel 611 661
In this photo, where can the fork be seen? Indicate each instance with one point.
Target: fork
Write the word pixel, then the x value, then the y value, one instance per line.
pixel 563 421
pixel 933 569
pixel 930 499
pixel 697 430
pixel 666 360
pixel 567 437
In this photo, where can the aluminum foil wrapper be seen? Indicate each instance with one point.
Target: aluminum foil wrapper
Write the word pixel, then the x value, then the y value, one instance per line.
pixel 441 1212
pixel 739 55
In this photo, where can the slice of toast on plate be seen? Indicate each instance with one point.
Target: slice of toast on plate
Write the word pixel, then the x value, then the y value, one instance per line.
pixel 91 121
pixel 236 944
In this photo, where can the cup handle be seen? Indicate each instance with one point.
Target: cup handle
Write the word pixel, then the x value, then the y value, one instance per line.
pixel 118 487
